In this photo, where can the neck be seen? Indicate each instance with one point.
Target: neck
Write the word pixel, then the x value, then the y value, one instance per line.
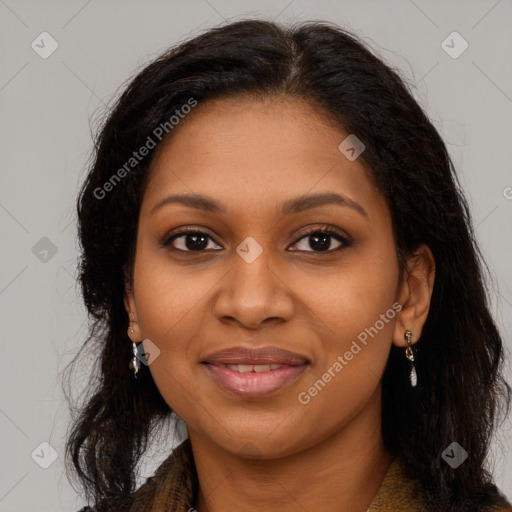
pixel 343 472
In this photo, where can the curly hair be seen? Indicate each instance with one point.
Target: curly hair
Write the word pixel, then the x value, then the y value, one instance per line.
pixel 461 390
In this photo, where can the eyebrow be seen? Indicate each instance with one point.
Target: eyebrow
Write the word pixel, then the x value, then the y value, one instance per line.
pixel 289 207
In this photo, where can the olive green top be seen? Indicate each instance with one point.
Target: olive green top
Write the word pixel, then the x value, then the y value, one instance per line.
pixel 173 488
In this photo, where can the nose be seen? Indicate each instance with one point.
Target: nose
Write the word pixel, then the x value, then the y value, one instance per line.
pixel 255 292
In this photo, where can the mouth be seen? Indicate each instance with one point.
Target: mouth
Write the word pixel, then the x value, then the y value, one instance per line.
pixel 255 373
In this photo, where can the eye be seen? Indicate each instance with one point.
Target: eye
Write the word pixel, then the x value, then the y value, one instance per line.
pixel 320 240
pixel 189 240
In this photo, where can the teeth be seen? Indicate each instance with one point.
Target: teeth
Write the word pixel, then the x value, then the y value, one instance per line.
pixel 244 368
pixel 261 367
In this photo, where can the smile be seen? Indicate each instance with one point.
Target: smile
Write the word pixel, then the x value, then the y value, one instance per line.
pixel 254 381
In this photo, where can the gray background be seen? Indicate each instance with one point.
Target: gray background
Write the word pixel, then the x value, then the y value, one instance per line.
pixel 48 105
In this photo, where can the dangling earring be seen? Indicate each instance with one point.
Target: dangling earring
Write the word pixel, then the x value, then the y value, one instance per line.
pixel 134 362
pixel 413 377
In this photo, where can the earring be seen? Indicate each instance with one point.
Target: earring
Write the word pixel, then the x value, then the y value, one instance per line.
pixel 134 362
pixel 413 376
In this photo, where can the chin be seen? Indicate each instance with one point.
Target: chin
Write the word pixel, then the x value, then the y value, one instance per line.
pixel 256 443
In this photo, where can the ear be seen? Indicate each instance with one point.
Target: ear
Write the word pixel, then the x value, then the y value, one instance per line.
pixel 414 295
pixel 131 309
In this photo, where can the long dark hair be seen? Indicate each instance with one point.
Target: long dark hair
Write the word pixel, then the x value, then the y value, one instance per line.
pixel 461 391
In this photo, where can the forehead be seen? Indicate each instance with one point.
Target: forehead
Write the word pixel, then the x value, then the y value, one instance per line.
pixel 252 152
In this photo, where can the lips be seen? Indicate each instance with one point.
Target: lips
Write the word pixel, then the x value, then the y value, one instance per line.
pixel 253 373
pixel 256 356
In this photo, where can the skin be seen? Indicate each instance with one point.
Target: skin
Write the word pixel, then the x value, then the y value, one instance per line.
pixel 273 453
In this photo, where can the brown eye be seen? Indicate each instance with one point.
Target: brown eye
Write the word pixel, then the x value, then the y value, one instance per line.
pixel 320 240
pixel 189 241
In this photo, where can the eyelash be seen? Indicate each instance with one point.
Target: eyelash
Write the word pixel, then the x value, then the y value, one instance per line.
pixel 343 239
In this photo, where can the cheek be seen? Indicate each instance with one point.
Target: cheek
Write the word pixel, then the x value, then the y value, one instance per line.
pixel 169 296
pixel 355 310
pixel 347 375
pixel 351 298
pixel 169 304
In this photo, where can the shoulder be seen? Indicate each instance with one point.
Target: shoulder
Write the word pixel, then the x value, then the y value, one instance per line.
pixel 172 487
pixel 503 505
pixel 488 499
pixel 174 484
pixel 399 492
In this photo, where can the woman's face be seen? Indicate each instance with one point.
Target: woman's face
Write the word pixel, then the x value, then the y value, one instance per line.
pixel 268 333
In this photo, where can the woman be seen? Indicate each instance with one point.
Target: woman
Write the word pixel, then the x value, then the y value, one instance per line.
pixel 274 216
